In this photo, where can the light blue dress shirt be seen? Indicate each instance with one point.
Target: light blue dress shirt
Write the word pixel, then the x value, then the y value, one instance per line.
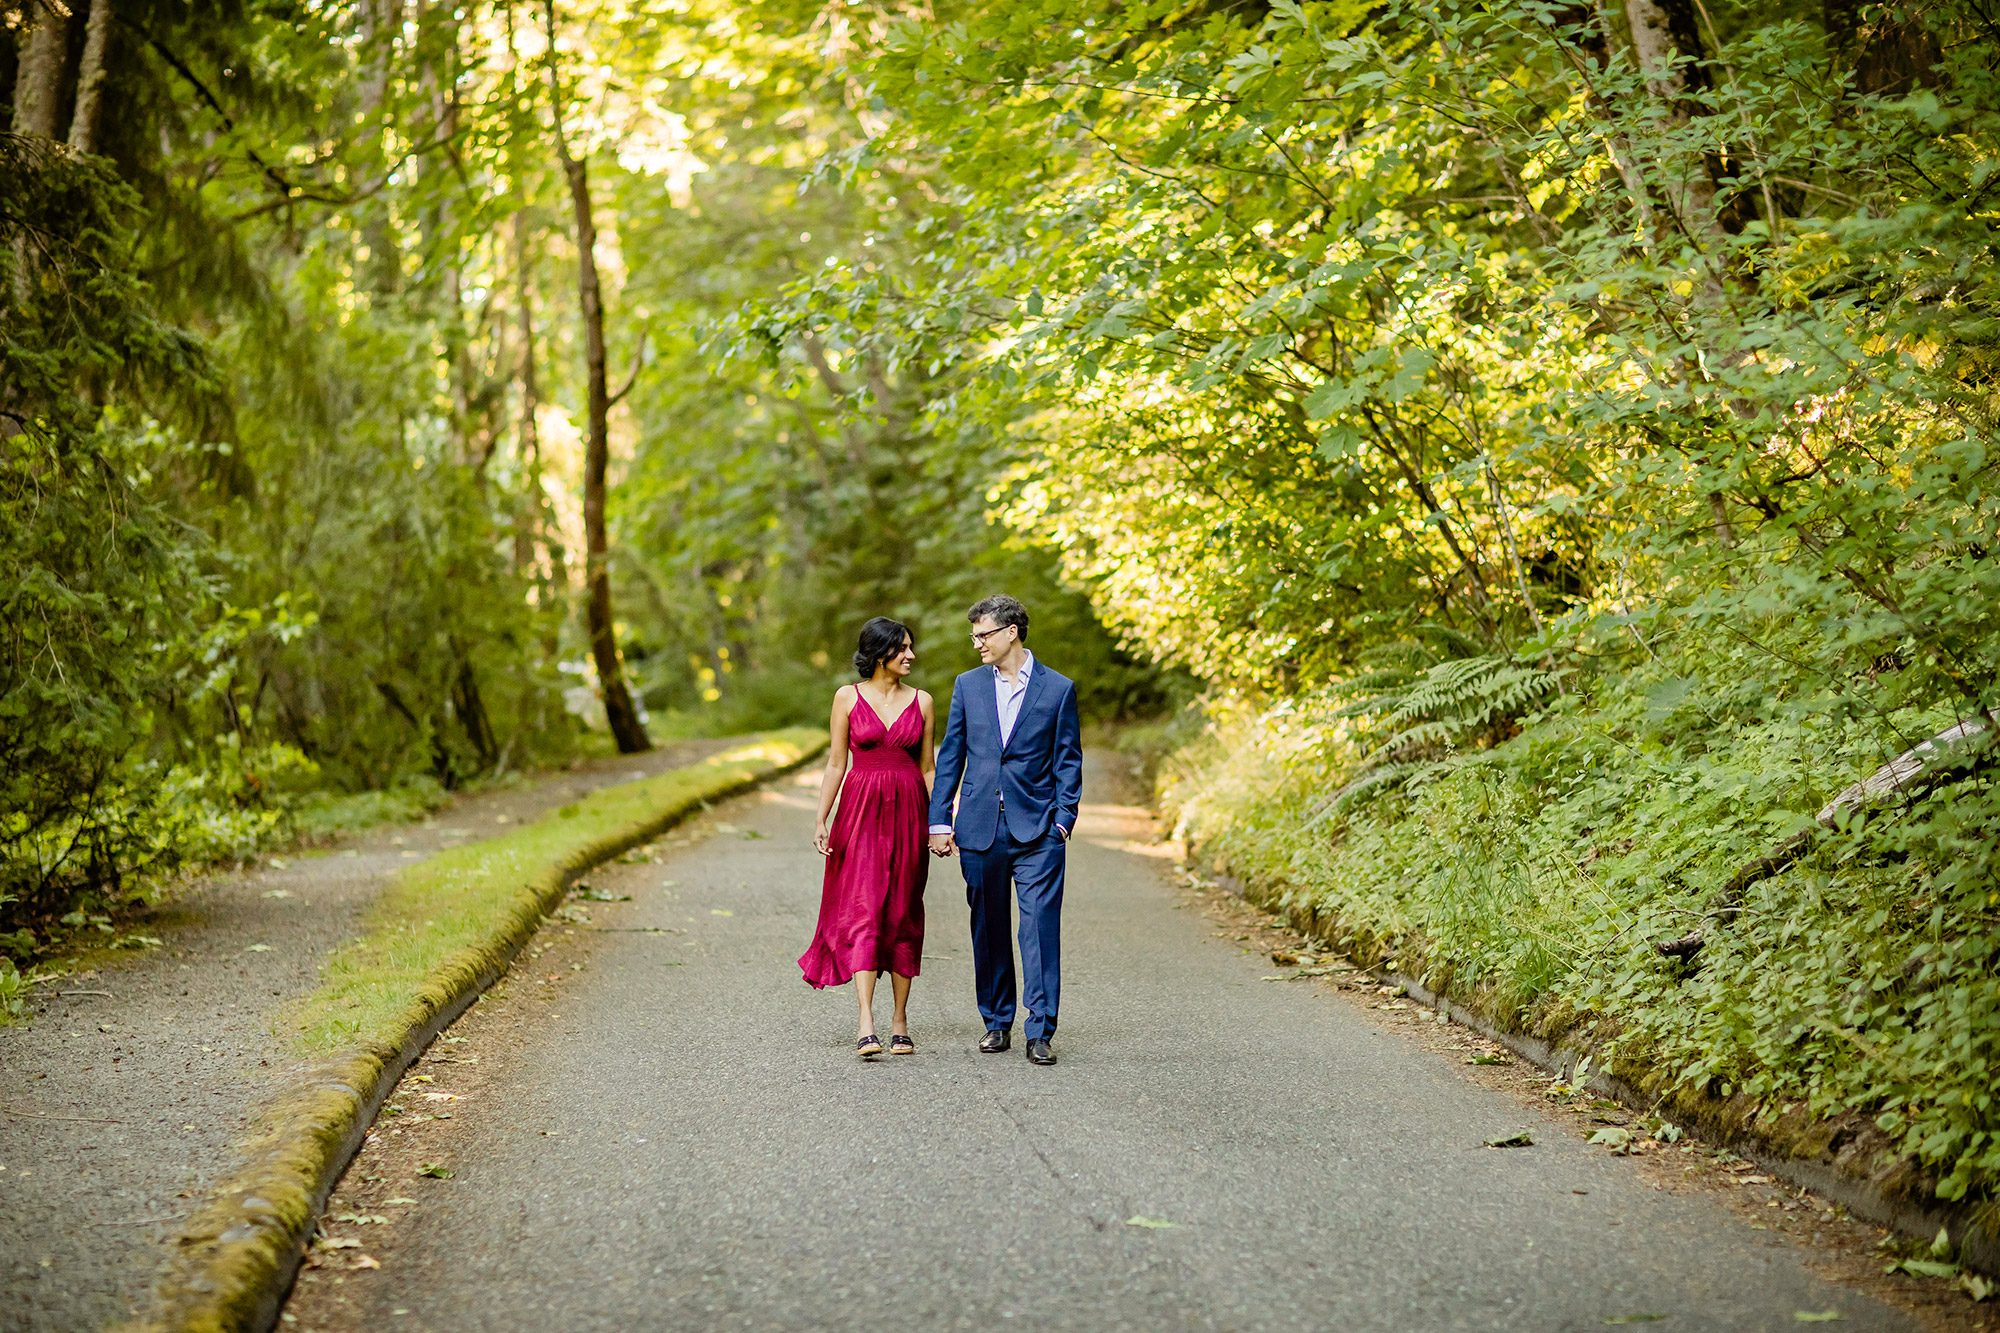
pixel 1007 698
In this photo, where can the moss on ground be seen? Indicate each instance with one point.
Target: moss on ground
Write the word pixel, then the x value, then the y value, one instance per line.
pixel 440 922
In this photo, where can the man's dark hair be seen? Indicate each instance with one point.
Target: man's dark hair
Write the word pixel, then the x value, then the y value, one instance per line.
pixel 1001 610
pixel 881 639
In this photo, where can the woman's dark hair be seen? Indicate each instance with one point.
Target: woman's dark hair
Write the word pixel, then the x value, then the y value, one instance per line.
pixel 881 639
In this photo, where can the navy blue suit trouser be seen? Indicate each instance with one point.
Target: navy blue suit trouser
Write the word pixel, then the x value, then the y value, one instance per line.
pixel 1035 870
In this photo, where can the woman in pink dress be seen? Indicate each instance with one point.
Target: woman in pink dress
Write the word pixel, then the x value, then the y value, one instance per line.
pixel 871 910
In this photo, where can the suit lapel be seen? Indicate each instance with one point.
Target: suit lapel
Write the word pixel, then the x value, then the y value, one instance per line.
pixel 1036 680
pixel 983 700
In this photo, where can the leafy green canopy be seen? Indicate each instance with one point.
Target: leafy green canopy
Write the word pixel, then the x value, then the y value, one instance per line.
pixel 1597 403
pixel 1361 324
pixel 251 534
pixel 778 499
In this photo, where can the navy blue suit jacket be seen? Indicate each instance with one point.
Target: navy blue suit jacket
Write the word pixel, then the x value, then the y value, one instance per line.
pixel 1040 769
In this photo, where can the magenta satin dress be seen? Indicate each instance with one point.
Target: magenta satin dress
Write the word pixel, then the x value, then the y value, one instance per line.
pixel 871 908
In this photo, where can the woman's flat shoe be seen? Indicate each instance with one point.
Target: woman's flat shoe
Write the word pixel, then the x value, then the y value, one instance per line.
pixel 901 1045
pixel 868 1047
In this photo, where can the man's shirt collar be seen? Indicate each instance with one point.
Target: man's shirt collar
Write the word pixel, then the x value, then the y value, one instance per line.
pixel 1020 672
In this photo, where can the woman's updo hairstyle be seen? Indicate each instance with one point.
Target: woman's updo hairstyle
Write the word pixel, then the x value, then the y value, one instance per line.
pixel 881 639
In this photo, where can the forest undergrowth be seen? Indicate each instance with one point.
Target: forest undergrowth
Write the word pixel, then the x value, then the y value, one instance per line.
pixel 1845 1000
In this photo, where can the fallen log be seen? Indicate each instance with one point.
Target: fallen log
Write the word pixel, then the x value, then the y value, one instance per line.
pixel 1945 757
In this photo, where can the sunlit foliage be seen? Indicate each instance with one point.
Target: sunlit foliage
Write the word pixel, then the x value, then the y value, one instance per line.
pixel 1571 427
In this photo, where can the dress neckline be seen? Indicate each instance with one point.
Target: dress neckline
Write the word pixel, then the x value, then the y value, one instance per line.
pixel 886 726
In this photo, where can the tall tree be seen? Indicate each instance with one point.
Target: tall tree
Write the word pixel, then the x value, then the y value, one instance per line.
pixel 38 86
pixel 90 79
pixel 619 711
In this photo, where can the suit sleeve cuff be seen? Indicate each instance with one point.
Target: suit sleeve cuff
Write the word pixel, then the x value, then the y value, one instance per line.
pixel 940 828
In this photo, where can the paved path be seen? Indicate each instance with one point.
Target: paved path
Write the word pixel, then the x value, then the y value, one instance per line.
pixel 677 1137
pixel 120 1101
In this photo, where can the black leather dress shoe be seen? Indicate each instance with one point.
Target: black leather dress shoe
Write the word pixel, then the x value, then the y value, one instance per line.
pixel 996 1040
pixel 1039 1052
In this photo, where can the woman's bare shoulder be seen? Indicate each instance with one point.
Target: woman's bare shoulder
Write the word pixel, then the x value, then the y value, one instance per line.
pixel 845 694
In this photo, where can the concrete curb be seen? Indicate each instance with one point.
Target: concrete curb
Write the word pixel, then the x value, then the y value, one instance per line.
pixel 1978 1247
pixel 1971 1229
pixel 234 1260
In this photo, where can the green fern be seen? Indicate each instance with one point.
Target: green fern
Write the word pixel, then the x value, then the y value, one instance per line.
pixel 1432 711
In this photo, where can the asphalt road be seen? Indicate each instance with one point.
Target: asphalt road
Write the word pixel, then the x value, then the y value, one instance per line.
pixel 679 1137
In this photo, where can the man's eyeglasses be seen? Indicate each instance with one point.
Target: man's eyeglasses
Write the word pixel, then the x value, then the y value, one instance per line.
pixel 979 637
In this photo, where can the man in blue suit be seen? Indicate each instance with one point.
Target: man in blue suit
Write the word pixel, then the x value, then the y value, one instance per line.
pixel 1012 754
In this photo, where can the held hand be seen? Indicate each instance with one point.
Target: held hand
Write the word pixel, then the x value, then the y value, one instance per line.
pixel 942 844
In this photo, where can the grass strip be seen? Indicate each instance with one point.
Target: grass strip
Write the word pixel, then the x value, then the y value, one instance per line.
pixel 442 932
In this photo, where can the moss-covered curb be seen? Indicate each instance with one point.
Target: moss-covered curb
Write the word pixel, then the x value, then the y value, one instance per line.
pixel 1845 1167
pixel 440 934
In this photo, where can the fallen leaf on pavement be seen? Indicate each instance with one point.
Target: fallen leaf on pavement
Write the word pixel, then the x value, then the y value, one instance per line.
pixel 1822 1317
pixel 365 1261
pixel 337 1243
pixel 1153 1222
pixel 718 911
pixel 1487 1060
pixel 1614 1138
pixel 435 1170
pixel 1923 1268
pixel 387 1202
pixel 1635 1319
pixel 1520 1139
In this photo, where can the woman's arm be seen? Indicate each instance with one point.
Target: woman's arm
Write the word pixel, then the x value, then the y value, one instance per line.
pixel 927 758
pixel 836 766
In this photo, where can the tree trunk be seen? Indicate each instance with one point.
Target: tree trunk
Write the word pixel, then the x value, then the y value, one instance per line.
pixel 528 444
pixel 619 711
pixel 1687 184
pixel 38 85
pixel 90 79
pixel 382 272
